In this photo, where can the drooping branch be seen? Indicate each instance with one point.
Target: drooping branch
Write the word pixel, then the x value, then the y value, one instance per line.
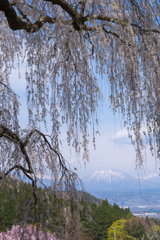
pixel 59 155
pixel 8 88
pixel 11 136
pixel 8 134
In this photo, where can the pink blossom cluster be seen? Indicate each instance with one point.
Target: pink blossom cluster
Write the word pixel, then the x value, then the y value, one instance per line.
pixel 25 233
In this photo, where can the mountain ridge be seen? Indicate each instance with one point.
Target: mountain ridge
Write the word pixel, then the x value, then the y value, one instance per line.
pixel 112 179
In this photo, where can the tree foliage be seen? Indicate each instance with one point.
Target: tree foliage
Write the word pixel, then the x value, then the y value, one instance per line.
pixel 97 220
pixel 138 228
pixel 118 229
pixel 70 48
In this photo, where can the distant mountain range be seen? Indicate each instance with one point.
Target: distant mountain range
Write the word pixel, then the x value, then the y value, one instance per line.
pixel 115 180
pixel 123 189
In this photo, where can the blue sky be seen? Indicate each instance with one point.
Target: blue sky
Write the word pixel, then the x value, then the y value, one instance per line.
pixel 113 148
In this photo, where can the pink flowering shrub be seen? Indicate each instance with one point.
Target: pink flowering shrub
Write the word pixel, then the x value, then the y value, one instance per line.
pixel 25 233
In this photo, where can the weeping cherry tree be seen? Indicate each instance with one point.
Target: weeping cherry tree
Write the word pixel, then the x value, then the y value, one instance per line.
pixel 69 48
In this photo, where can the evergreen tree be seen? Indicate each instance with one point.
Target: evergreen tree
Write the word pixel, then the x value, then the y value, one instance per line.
pixel 147 221
pixel 7 210
pixel 140 231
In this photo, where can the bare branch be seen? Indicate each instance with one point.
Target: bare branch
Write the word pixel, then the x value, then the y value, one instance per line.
pixel 18 167
pixel 116 35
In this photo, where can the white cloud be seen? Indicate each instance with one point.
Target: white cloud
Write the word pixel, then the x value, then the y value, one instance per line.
pixel 121 137
pixel 120 134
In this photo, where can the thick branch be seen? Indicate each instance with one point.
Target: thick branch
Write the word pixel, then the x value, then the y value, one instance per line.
pixel 16 23
pixel 68 8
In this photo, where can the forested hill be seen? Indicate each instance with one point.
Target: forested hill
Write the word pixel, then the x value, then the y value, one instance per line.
pixel 100 221
pixel 89 198
pixel 95 218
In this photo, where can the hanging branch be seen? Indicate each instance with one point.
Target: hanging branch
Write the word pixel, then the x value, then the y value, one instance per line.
pixel 13 137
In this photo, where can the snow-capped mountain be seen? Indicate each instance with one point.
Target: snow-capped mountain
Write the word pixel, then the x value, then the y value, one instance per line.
pixel 115 180
pixel 107 180
pixel 109 176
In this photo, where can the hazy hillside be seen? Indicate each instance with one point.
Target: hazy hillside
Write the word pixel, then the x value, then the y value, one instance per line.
pixel 121 188
pixel 90 198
